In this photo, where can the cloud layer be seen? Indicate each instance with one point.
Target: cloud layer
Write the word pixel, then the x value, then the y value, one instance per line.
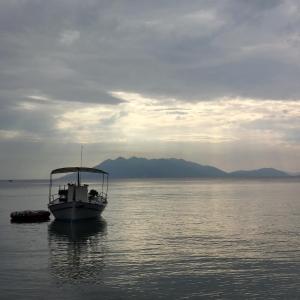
pixel 218 73
pixel 194 50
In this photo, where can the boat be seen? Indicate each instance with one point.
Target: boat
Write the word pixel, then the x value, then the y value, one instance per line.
pixel 77 201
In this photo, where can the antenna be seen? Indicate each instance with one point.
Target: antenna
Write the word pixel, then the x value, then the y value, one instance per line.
pixel 81 156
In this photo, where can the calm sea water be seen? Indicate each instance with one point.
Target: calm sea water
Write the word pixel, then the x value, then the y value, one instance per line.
pixel 158 239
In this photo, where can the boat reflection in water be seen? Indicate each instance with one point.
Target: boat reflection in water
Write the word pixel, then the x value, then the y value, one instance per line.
pixel 77 249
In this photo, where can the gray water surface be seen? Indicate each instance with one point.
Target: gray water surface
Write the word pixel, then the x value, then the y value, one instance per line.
pixel 157 239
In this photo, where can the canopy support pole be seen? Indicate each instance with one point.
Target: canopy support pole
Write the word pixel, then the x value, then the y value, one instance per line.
pixel 78 178
pixel 50 186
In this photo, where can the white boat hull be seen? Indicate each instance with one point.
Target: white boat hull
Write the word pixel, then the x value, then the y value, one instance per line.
pixel 76 210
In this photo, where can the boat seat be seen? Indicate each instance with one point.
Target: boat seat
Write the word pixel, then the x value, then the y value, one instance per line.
pixel 63 195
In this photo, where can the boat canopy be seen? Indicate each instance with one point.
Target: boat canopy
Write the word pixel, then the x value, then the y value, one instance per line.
pixel 77 169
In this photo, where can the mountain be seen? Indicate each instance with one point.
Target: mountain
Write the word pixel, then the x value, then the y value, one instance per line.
pixel 157 168
pixel 171 168
pixel 264 172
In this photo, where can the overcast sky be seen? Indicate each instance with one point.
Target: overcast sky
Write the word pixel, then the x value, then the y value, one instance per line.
pixel 216 82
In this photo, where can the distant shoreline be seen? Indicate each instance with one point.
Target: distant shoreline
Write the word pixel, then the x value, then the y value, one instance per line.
pixel 170 168
pixel 46 181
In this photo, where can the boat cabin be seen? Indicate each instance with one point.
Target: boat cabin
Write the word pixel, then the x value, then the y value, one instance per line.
pixel 76 191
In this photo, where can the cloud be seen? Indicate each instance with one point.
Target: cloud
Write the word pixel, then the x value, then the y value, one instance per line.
pixel 196 50
pixel 68 37
pixel 140 118
pixel 208 71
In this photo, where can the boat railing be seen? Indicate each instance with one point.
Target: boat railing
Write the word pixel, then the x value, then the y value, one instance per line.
pixel 57 198
pixel 103 195
pixel 54 198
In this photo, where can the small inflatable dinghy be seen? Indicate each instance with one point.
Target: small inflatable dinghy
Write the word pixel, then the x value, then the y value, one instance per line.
pixel 28 216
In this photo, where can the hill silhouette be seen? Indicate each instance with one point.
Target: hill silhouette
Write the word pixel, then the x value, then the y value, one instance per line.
pixel 135 167
pixel 157 168
pixel 264 172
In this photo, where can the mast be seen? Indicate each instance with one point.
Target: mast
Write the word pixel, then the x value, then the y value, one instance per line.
pixel 78 175
pixel 81 156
